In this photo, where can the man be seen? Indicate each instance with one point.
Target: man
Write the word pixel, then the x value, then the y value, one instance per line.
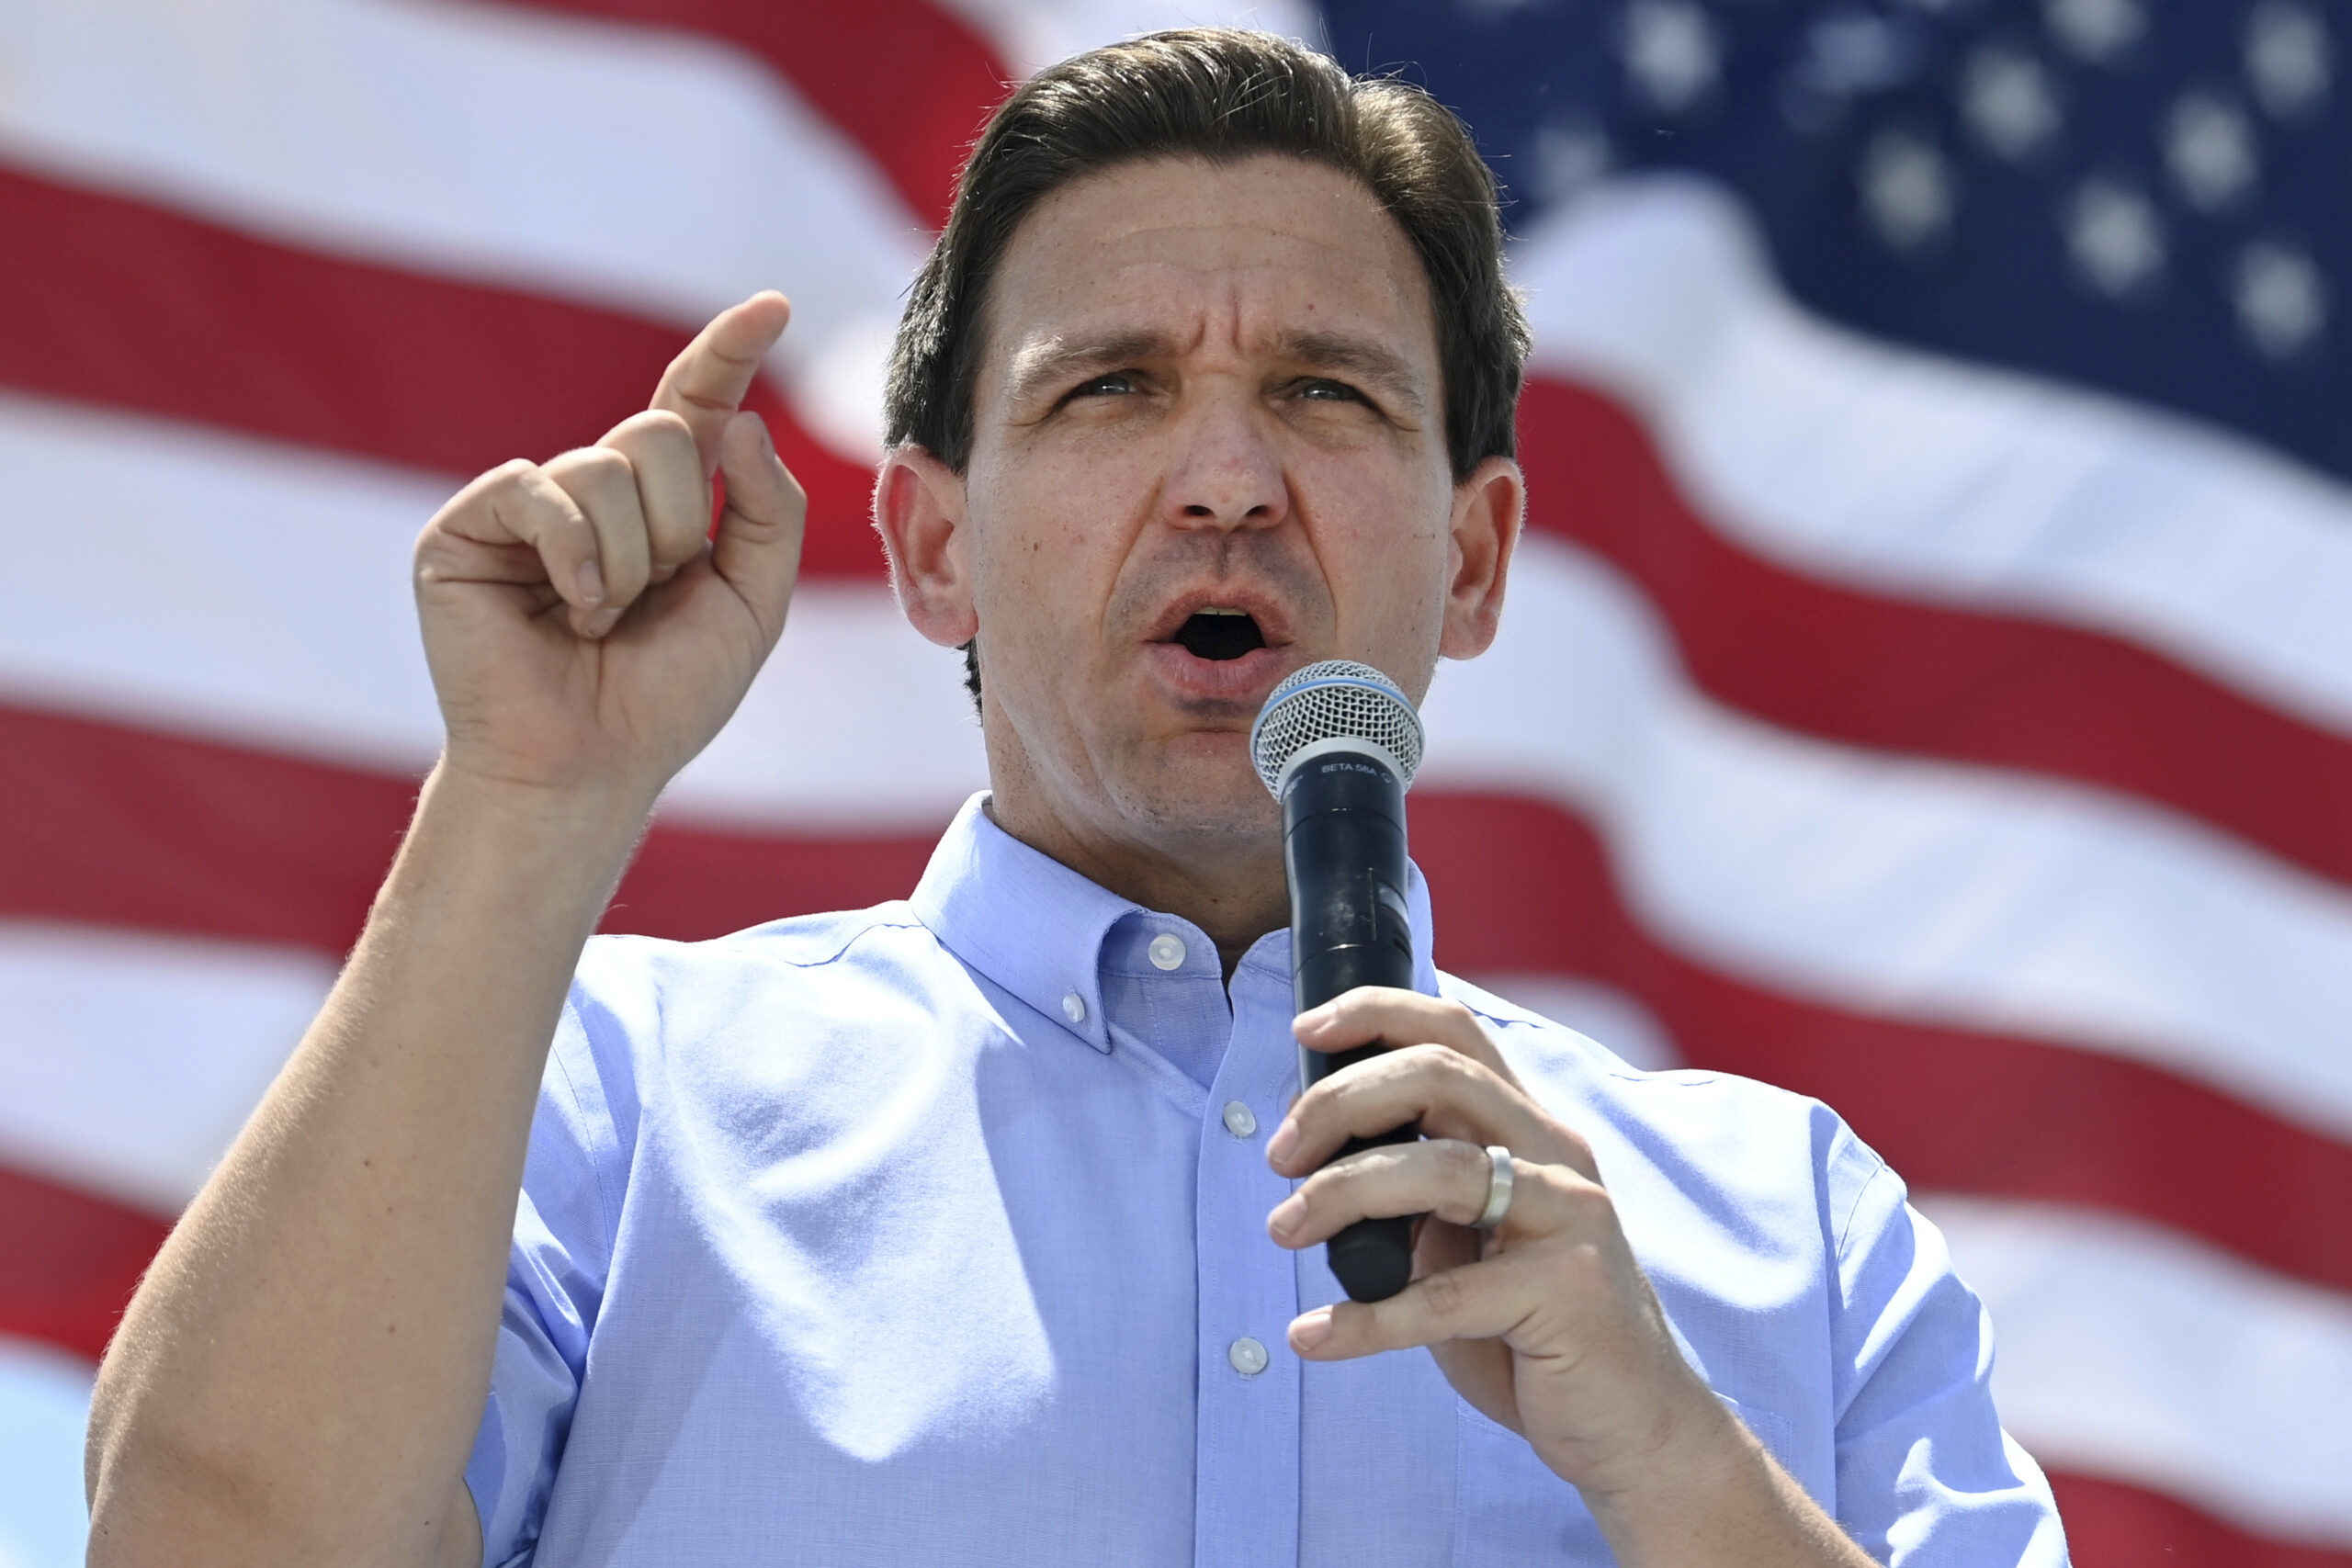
pixel 963 1230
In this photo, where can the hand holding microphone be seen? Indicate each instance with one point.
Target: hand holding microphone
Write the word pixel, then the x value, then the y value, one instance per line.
pixel 1527 1294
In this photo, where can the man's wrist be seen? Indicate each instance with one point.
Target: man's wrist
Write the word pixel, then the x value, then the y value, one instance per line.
pixel 1713 1495
pixel 606 812
pixel 547 849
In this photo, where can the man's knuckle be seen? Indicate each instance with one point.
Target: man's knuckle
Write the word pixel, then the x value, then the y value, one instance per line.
pixel 1445 1294
pixel 1587 1204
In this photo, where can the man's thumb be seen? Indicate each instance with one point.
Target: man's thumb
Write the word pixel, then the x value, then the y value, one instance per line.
pixel 757 548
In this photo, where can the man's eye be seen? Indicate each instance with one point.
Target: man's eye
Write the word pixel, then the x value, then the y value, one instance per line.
pixel 1114 384
pixel 1331 391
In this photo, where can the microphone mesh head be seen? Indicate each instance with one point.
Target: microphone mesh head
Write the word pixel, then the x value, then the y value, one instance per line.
pixel 1337 698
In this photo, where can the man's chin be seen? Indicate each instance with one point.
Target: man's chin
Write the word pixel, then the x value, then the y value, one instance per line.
pixel 1204 790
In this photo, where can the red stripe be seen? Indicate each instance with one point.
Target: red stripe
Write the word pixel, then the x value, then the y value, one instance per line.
pixel 1522 887
pixel 908 81
pixel 1910 676
pixel 71 1261
pixel 106 825
pixel 2112 1525
pixel 119 303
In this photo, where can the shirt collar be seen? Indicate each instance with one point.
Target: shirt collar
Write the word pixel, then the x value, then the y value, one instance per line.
pixel 1036 928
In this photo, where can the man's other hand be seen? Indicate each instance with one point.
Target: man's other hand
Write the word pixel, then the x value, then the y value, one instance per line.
pixel 584 623
pixel 1545 1324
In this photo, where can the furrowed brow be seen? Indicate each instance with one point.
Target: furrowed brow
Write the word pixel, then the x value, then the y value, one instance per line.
pixel 1360 360
pixel 1044 366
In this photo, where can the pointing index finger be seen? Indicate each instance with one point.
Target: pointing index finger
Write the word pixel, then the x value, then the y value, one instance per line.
pixel 706 383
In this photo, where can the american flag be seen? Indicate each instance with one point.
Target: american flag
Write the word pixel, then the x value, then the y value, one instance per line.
pixel 1927 683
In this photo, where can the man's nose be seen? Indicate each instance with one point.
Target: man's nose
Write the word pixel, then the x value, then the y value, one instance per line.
pixel 1227 473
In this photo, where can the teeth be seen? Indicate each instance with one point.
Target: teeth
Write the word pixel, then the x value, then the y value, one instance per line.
pixel 1218 610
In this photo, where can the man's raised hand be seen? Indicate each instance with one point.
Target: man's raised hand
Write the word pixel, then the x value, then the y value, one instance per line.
pixel 585 629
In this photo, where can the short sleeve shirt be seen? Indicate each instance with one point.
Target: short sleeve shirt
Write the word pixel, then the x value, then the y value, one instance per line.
pixel 935 1233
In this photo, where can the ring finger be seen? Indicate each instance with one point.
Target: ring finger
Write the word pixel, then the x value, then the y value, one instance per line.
pixel 1443 1177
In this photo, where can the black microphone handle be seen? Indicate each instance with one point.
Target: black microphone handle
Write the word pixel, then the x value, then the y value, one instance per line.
pixel 1343 846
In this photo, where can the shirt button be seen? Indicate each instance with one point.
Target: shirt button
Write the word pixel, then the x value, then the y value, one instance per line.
pixel 1168 950
pixel 1238 1119
pixel 1074 1007
pixel 1249 1357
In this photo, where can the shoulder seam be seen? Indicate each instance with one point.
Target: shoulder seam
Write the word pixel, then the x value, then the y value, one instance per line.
pixel 1846 1224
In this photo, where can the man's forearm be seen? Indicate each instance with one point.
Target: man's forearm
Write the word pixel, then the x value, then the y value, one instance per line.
pixel 300 1376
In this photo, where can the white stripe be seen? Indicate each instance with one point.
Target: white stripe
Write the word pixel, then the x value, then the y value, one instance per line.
pixel 44 1406
pixel 1920 890
pixel 2126 1350
pixel 649 170
pixel 130 1062
pixel 258 594
pixel 1898 471
pixel 1031 34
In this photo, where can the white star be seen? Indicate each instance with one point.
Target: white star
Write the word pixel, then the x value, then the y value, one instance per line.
pixel 2009 102
pixel 2286 51
pixel 2282 299
pixel 2095 30
pixel 2208 147
pixel 1671 52
pixel 1906 191
pixel 1567 158
pixel 2113 236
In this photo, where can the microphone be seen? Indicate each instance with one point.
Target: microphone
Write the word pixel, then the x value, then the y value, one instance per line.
pixel 1337 744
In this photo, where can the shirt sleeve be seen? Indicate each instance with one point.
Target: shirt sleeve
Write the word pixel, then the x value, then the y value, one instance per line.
pixel 564 1223
pixel 1926 1476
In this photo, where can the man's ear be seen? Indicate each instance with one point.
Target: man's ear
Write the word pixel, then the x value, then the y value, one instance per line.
pixel 919 511
pixel 1488 510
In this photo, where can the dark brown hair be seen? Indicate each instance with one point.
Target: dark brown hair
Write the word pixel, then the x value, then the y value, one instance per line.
pixel 1218 95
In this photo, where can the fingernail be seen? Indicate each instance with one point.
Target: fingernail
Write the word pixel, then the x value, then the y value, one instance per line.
pixel 1279 1147
pixel 1310 1329
pixel 602 621
pixel 1286 1215
pixel 591 578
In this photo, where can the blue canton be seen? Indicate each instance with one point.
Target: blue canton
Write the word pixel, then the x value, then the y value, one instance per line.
pixel 2141 198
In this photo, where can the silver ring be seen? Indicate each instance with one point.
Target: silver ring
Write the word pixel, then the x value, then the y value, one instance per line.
pixel 1499 1184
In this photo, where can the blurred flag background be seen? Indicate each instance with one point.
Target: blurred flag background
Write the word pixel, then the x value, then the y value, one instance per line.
pixel 1927 682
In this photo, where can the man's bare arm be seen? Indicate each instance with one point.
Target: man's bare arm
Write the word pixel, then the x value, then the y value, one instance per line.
pixel 300 1376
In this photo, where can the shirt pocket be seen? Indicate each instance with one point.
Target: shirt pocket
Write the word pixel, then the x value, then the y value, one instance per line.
pixel 1510 1510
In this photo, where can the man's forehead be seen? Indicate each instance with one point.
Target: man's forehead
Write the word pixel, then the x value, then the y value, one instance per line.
pixel 1268 252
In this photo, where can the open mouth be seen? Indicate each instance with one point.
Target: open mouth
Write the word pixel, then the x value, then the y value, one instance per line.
pixel 1220 633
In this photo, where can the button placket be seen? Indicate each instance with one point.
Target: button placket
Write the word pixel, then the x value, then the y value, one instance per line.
pixel 1246 1452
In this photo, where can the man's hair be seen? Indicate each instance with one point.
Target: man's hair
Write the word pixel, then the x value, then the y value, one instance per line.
pixel 1218 94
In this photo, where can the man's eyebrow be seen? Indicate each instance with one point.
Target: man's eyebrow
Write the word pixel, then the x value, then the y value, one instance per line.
pixel 1360 358
pixel 1047 364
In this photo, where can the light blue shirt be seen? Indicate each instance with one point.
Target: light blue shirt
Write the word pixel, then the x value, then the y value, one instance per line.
pixel 927 1234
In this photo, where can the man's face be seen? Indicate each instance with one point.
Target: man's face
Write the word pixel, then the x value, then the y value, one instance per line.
pixel 1209 448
